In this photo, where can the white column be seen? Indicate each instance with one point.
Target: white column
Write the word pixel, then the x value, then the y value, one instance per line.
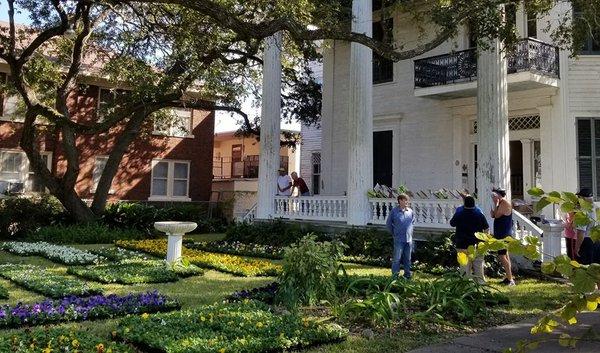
pixel 521 20
pixel 528 182
pixel 360 118
pixel 458 140
pixel 269 127
pixel 492 124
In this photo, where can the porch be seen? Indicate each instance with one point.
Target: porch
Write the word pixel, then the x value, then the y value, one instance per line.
pixel 430 215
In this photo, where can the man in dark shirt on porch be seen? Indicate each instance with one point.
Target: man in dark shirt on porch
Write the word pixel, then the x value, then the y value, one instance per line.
pixel 300 184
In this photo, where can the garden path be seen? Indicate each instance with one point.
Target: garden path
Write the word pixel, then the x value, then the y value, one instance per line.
pixel 499 338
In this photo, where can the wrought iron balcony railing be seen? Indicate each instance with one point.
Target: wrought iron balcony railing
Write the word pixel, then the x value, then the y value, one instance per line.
pixel 461 66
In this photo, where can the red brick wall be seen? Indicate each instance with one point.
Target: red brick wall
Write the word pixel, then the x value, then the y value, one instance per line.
pixel 133 179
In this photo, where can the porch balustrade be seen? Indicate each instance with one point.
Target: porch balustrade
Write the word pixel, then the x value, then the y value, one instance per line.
pixel 324 208
pixel 461 66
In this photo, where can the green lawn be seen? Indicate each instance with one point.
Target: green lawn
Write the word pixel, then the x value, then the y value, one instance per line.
pixel 529 297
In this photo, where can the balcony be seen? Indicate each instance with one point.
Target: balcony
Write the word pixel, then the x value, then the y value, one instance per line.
pixel 533 64
pixel 241 168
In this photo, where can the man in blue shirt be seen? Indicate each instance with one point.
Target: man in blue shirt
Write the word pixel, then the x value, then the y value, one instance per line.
pixel 400 224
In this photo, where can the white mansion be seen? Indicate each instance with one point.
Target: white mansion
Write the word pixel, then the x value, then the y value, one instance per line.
pixel 418 122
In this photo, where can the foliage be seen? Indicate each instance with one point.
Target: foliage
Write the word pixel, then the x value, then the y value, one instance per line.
pixel 238 248
pixel 229 327
pixel 126 215
pixel 226 263
pixel 274 233
pixel 74 308
pixel 136 271
pixel 3 292
pixel 60 340
pixel 47 282
pixel 585 294
pixel 58 253
pixel 85 233
pixel 450 298
pixel 20 216
pixel 310 272
pixel 118 254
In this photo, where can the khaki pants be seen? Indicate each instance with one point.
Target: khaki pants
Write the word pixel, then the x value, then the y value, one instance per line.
pixel 473 269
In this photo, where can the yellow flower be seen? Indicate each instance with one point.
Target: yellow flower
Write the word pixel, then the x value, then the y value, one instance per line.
pixel 75 343
pixel 47 350
pixel 145 316
pixel 202 318
pixel 100 348
pixel 259 324
pixel 114 334
pixel 222 350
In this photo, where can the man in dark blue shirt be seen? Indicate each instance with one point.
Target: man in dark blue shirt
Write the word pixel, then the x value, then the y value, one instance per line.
pixel 400 224
pixel 469 220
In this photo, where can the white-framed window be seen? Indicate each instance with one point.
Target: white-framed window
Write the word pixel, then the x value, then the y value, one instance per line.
pixel 9 104
pixel 99 165
pixel 170 180
pixel 15 174
pixel 177 124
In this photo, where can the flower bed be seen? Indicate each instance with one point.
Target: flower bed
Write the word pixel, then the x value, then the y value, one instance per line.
pixel 226 328
pixel 225 263
pixel 58 340
pixel 239 248
pixel 75 308
pixel 135 271
pixel 57 253
pixel 265 294
pixel 3 292
pixel 51 284
pixel 273 252
pixel 119 254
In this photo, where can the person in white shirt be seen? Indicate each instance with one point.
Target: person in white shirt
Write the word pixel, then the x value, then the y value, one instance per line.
pixel 284 183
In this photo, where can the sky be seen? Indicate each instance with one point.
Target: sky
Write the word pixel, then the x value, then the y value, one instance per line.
pixel 223 121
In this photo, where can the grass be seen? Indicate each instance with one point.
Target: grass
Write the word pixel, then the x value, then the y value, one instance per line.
pixel 529 298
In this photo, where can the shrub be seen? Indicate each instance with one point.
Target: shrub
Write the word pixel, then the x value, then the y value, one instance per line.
pixel 20 216
pixel 275 233
pixel 90 233
pixel 367 242
pixel 140 216
pixel 226 327
pixel 310 272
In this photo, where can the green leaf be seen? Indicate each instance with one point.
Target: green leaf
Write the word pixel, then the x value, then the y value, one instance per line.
pixel 482 236
pixel 554 194
pixel 582 282
pixel 585 205
pixel 567 207
pixel 538 192
pixel 541 204
pixel 581 219
pixel 566 270
pixel 571 197
pixel 548 268
pixel 595 233
pixel 554 199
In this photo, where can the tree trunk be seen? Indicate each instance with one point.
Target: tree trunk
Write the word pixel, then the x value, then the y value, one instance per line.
pixel 129 133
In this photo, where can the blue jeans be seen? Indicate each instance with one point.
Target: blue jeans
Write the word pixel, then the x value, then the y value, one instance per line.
pixel 401 255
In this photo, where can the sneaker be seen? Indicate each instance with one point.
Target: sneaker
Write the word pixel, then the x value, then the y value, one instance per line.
pixel 511 283
pixel 505 281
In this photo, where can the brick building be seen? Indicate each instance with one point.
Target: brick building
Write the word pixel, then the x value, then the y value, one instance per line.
pixel 167 162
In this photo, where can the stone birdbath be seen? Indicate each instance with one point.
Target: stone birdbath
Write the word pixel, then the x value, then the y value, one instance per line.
pixel 175 232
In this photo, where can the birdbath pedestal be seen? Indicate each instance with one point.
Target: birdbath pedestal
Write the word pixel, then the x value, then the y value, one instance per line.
pixel 175 232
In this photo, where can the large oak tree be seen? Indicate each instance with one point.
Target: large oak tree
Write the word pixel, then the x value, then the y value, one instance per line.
pixel 201 54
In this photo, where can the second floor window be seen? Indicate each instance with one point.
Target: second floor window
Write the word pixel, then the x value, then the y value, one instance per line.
pixel 177 123
pixel 588 154
pixel 591 43
pixel 383 69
